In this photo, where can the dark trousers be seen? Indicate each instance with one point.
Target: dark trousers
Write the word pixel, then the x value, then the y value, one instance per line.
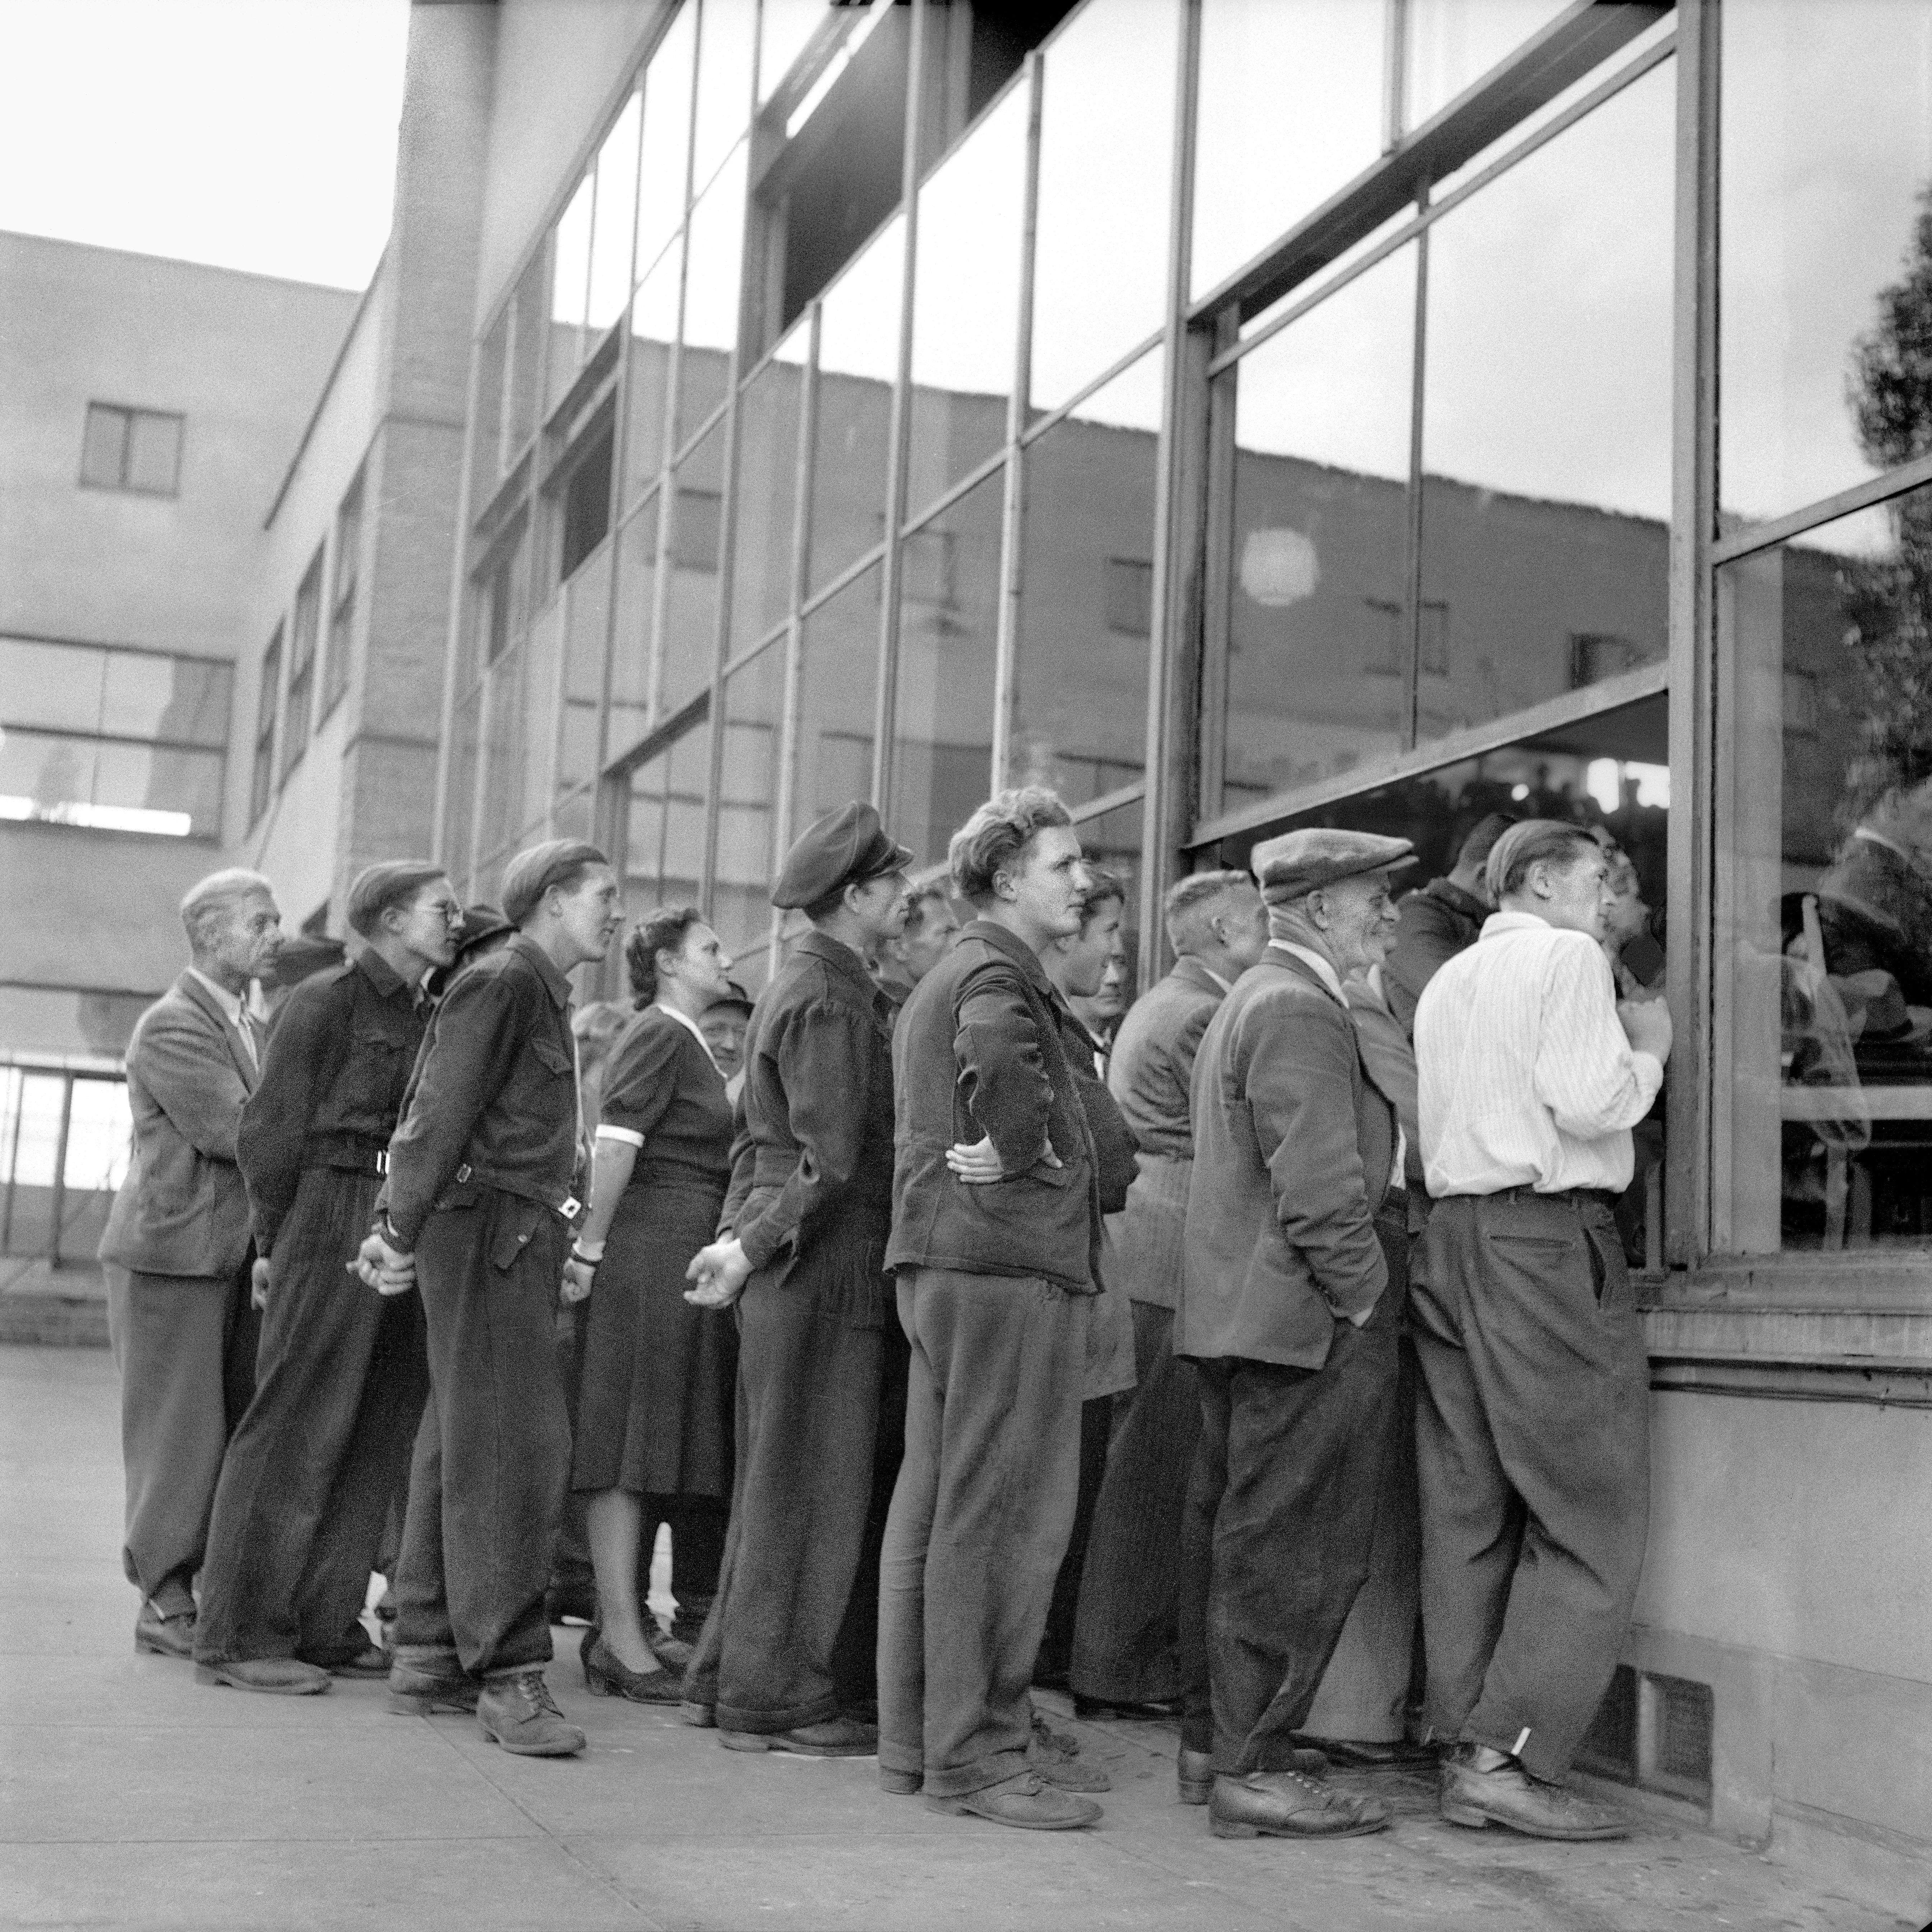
pixel 1533 1454
pixel 855 1660
pixel 185 1347
pixel 307 1484
pixel 979 1520
pixel 492 1456
pixel 807 1409
pixel 1126 1635
pixel 1056 1647
pixel 1281 1510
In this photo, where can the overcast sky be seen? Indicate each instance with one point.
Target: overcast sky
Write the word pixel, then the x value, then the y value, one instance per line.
pixel 256 134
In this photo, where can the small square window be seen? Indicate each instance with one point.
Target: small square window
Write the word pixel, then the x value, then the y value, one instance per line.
pixel 104 447
pixel 138 450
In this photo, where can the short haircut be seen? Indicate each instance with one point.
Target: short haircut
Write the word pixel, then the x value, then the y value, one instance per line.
pixel 660 931
pixel 994 836
pixel 1103 888
pixel 917 901
pixel 1535 842
pixel 1190 904
pixel 1481 841
pixel 395 882
pixel 209 902
pixel 557 862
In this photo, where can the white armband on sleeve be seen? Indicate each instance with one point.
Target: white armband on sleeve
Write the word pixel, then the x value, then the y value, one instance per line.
pixel 627 1135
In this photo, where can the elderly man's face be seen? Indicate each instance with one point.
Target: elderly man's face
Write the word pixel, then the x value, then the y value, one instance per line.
pixel 245 946
pixel 724 1030
pixel 1575 897
pixel 1360 921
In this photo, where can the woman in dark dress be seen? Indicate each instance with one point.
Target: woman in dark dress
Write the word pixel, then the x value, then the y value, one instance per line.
pixel 653 1440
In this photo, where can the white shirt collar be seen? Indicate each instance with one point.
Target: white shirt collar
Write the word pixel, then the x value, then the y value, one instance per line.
pixel 1226 985
pixel 230 1003
pixel 1872 838
pixel 696 1031
pixel 1514 922
pixel 1324 970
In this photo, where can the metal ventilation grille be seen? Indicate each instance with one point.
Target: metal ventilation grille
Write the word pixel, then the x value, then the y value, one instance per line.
pixel 1654 1733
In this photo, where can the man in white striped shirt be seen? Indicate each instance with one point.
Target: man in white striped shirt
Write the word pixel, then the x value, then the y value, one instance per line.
pixel 1532 1430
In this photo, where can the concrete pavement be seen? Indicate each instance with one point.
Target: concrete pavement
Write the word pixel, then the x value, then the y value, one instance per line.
pixel 132 1796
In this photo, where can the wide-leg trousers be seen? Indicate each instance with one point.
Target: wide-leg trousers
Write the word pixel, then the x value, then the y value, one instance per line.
pixel 1533 1453
pixel 308 1480
pixel 808 1382
pixel 979 1521
pixel 492 1459
pixel 185 1347
pixel 1281 1514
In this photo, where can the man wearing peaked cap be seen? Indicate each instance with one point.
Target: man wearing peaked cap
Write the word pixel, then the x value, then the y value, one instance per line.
pixel 1295 1211
pixel 802 1242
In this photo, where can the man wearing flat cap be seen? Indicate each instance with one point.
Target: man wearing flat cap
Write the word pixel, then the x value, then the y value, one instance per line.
pixel 340 1380
pixel 476 1216
pixel 1284 1315
pixel 801 1252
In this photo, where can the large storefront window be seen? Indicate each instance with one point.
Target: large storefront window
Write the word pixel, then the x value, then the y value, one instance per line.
pixel 838 667
pixel 769 415
pixel 1825 913
pixel 747 782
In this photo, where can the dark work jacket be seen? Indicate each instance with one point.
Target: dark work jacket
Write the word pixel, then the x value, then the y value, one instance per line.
pixel 494 1090
pixel 333 1079
pixel 1437 923
pixel 1293 1144
pixel 979 1053
pixel 1114 1148
pixel 811 1192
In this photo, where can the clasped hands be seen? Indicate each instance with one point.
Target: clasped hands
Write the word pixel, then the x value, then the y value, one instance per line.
pixel 388 1271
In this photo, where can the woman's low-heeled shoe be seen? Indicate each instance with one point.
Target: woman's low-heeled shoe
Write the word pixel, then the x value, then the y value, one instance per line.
pixel 608 1676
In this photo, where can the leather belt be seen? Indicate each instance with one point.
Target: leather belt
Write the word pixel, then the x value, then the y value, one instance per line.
pixel 566 1211
pixel 349 1154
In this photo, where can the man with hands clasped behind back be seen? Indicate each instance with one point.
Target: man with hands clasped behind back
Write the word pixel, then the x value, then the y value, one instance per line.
pixel 481 1192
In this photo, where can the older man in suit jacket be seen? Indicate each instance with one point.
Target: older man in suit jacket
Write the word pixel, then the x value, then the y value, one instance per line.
pixel 1127 1636
pixel 1284 1313
pixel 183 1327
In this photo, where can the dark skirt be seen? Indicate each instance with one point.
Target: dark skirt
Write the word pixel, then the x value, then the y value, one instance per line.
pixel 654 1414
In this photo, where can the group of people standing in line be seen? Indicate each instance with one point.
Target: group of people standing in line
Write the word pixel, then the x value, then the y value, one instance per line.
pixel 961 1349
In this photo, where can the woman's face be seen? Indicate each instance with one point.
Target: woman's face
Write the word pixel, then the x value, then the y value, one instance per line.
pixel 699 963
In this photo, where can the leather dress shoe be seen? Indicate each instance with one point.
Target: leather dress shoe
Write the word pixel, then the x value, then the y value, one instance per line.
pixel 1476 1793
pixel 608 1676
pixel 1028 1802
pixel 1289 1805
pixel 836 1737
pixel 703 1716
pixel 416 1693
pixel 279 1676
pixel 1055 1757
pixel 519 1714
pixel 1194 1771
pixel 170 1636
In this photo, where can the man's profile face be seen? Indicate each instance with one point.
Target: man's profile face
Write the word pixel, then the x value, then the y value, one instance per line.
pixel 919 952
pixel 249 936
pixel 1046 881
pixel 592 911
pixel 1577 897
pixel 430 924
pixel 1362 921
pixel 881 904
pixel 724 1030
pixel 1085 958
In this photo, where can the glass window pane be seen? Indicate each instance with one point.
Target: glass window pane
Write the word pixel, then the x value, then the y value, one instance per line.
pixel 1291 108
pixel 1453 44
pixel 616 217
pixel 1106 157
pixel 785 27
pixel 1320 519
pixel 583 507
pixel 966 304
pixel 647 383
pixel 570 286
pixel 838 676
pixel 486 449
pixel 768 424
pixel 753 706
pixel 858 354
pixel 159 698
pixel 154 452
pixel 664 825
pixel 949 626
pixel 56 686
pixel 529 325
pixel 1824 913
pixel 630 646
pixel 460 797
pixel 103 446
pixel 586 618
pixel 1547 420
pixel 542 668
pixel 711 296
pixel 724 81
pixel 143 788
pixel 1086 578
pixel 1827 120
pixel 697 505
pixel 664 180
pixel 44 776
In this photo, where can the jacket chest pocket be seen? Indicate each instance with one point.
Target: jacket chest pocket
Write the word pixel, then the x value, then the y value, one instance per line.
pixel 551 1056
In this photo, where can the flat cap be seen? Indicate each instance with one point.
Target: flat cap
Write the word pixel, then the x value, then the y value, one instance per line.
pixel 845 848
pixel 1302 862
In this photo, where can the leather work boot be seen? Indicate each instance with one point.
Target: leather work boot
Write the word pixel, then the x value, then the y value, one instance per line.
pixel 1194 1771
pixel 1289 1805
pixel 1055 1757
pixel 519 1714
pixel 1476 1793
pixel 416 1693
pixel 1027 1802
pixel 836 1737
pixel 279 1676
pixel 165 1633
